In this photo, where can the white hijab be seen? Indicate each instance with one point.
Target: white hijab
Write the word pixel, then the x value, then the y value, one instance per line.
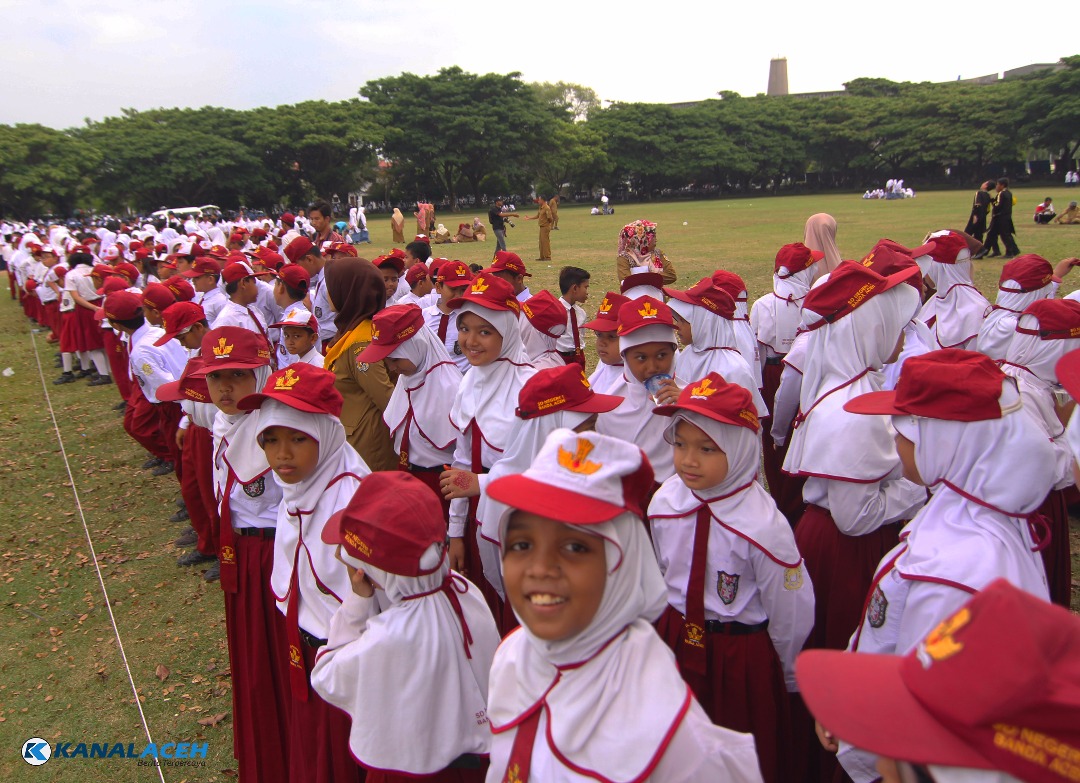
pixel 999 325
pixel 540 347
pixel 615 682
pixel 246 459
pixel 776 316
pixel 958 305
pixel 830 442
pixel 407 675
pixel 428 392
pixel 1006 464
pixel 488 394
pixel 739 503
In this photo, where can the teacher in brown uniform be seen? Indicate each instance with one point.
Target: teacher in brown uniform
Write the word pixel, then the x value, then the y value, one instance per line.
pixel 544 216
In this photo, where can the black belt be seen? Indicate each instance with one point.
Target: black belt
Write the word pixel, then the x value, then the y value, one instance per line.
pixel 421 469
pixel 774 359
pixel 734 629
pixel 312 641
pixel 257 532
pixel 467 761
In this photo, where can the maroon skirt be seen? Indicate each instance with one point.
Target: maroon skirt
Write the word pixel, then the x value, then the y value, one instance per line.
pixel 260 681
pixel 198 463
pixel 449 775
pixel 117 354
pixel 68 326
pixel 785 489
pixel 841 568
pixel 743 690
pixel 87 330
pixel 1056 555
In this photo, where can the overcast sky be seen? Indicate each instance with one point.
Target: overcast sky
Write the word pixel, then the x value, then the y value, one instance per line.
pixel 65 60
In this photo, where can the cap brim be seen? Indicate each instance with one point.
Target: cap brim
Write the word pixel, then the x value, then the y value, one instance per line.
pixel 672 410
pixel 458 301
pixel 597 403
pixel 601 325
pixel 214 366
pixel 255 401
pixel 861 699
pixel 375 353
pixel 331 532
pixel 817 255
pixel 877 403
pixel 192 274
pixel 1068 373
pixel 922 250
pixel 526 494
pixel 170 392
pixel 165 338
pixel 682 296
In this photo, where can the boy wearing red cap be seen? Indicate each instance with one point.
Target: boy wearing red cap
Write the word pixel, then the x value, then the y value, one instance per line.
pixel 307 256
pixel 392 539
pixel 608 374
pixel 299 341
pixel 243 291
pixel 511 268
pixel 204 275
pixel 391 267
pixel 421 290
pixel 546 323
pixel 452 279
pixel 319 472
pixel 740 604
pixel 586 690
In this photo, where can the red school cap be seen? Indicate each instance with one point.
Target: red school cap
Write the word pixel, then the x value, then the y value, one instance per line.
pixel 730 282
pixel 1055 319
pixel 298 248
pixel 886 260
pixel 644 280
pixel 1067 371
pixel 391 520
pixel 946 247
pixel 794 258
pixel 505 261
pixel 288 218
pixel 235 271
pixel 1025 273
pixel 391 327
pixel 849 286
pixel 422 238
pixel 127 270
pixel 454 274
pixel 415 273
pixel 297 315
pixel 236 236
pixel 122 306
pixel 579 479
pixel 204 265
pixel 186 387
pixel 294 276
pixel 544 312
pixel 394 262
pixel 233 348
pixel 158 296
pixel 645 311
pixel 948 384
pixel 704 293
pixel 219 252
pixel 301 386
pixel 341 248
pixel 258 233
pixel 180 288
pixel 607 314
pixel 716 399
pixel 177 317
pixel 112 283
pixel 565 388
pixel 934 706
pixel 488 291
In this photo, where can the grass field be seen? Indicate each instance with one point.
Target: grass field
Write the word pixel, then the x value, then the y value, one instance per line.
pixel 63 678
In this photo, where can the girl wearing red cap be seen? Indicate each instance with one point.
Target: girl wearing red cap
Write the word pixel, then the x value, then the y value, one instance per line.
pixel 585 689
pixel 411 645
pixel 740 604
pixel 1044 335
pixel 959 422
pixel 304 442
pixel 248 500
pixel 745 337
pixel 608 374
pixel 490 337
pixel 955 312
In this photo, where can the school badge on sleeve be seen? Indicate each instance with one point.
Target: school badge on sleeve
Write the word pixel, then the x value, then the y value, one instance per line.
pixel 878 609
pixel 255 488
pixel 793 578
pixel 727 586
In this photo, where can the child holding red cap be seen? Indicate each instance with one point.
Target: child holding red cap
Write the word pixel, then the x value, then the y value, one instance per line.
pixel 545 324
pixel 451 281
pixel 304 442
pixel 418 413
pixel 608 374
pixel 958 420
pixel 585 689
pixel 490 338
pixel 414 717
pixel 647 343
pixel 235 363
pixel 740 604
pixel 1045 332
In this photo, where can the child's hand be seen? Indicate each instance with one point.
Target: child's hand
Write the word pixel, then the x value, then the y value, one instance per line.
pixel 669 392
pixel 827 740
pixel 457 555
pixel 457 483
pixel 180 439
pixel 361 585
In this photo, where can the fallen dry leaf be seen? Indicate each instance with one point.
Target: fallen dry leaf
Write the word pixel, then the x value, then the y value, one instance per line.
pixel 213 720
pixel 162 671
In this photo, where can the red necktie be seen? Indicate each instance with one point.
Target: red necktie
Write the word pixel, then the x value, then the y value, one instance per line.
pixel 403 455
pixel 444 319
pixel 517 768
pixel 579 355
pixel 691 650
pixel 262 331
pixel 298 679
pixel 227 543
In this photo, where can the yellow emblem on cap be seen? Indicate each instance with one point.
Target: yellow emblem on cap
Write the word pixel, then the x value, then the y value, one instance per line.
pixel 940 644
pixel 479 286
pixel 703 390
pixel 577 462
pixel 648 311
pixel 287 381
pixel 374 333
pixel 291 315
pixel 605 306
pixel 585 381
pixel 868 260
pixel 221 349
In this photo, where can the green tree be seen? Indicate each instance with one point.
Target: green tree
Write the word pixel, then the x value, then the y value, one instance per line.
pixel 1051 109
pixel 43 170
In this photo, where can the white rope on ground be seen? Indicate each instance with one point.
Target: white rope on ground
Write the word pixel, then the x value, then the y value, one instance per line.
pixel 93 553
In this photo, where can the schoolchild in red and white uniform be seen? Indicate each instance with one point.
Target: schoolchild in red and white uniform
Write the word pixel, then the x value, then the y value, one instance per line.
pixel 1024 280
pixel 1047 330
pixel 955 312
pixel 585 689
pixel 205 274
pixel 647 343
pixel 298 339
pixel 545 323
pixel 642 284
pixel 740 604
pixel 958 419
pixel 608 373
pixel 421 289
pixel 242 288
pixel 410 648
pixel 451 281
pixel 745 337
pixel 318 471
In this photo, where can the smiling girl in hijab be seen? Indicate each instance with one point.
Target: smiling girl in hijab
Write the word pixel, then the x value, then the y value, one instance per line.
pixel 304 443
pixel 585 689
pixel 356 291
pixel 820 235
pixel 740 604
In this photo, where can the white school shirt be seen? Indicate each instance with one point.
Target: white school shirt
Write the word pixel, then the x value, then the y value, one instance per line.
pixel 858 509
pixel 212 302
pixel 321 309
pixel 432 317
pixel 233 314
pixel 151 365
pixel 565 342
pixel 44 291
pixel 313 357
pixel 524 295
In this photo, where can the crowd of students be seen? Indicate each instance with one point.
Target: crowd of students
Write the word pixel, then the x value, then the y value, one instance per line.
pixel 448 554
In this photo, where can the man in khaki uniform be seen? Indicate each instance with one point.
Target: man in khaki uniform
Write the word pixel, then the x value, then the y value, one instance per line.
pixel 553 202
pixel 546 221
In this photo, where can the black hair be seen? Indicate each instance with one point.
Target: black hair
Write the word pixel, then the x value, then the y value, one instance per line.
pixel 1004 181
pixel 477 268
pixel 324 208
pixel 80 258
pixel 230 288
pixel 420 250
pixel 1048 199
pixel 570 276
pixel 294 293
pixel 131 323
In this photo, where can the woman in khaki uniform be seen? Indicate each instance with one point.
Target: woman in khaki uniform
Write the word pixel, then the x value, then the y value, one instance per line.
pixel 397 226
pixel 356 291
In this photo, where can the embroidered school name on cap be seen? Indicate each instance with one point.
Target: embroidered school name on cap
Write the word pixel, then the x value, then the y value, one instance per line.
pixel 222 349
pixel 861 294
pixel 527 310
pixel 357 543
pixel 287 381
pixel 578 461
pixel 941 643
pixel 551 402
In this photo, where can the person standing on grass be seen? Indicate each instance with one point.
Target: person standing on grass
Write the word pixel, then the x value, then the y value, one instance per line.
pixel 497 219
pixel 543 215
pixel 980 207
pixel 1001 224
